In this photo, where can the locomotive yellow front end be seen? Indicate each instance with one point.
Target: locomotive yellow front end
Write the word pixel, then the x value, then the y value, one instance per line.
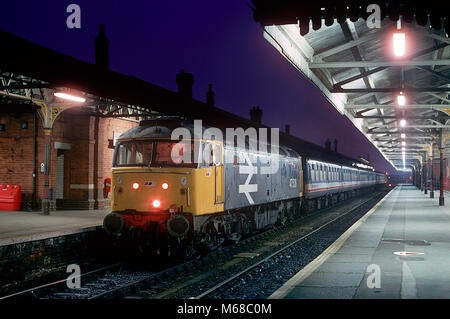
pixel 156 192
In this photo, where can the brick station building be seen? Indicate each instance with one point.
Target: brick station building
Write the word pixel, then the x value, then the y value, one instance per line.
pixel 80 158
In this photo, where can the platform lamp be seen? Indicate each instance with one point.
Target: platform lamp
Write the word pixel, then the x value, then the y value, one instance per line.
pixel 401 99
pixel 69 97
pixel 399 40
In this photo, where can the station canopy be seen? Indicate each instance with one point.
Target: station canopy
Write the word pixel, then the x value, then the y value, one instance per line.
pixel 394 88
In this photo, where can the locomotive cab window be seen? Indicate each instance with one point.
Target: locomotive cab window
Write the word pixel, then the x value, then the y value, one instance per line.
pixel 207 155
pixel 154 153
pixel 173 154
pixel 134 153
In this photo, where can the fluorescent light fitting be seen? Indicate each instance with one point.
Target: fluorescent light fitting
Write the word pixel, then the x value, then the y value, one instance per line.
pixel 399 44
pixel 70 97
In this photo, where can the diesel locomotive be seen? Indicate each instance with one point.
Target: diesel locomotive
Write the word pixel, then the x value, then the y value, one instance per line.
pixel 167 204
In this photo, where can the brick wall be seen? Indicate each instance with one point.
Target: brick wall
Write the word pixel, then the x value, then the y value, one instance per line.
pixel 27 263
pixel 84 171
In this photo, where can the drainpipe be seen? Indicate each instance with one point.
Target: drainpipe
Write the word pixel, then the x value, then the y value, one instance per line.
pixel 34 197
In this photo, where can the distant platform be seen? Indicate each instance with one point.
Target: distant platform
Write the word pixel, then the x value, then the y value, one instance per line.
pixel 405 239
pixel 18 227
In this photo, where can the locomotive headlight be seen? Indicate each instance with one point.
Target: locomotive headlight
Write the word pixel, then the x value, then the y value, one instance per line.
pixel 156 203
pixel 135 185
pixel 165 186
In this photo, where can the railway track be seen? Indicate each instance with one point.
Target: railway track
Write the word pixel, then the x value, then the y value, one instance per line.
pixel 115 281
pixel 32 292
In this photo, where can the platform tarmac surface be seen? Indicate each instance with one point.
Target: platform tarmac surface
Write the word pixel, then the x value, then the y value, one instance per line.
pixel 406 220
pixel 21 226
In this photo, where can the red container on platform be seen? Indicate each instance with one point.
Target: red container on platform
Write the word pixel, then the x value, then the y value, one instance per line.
pixel 10 197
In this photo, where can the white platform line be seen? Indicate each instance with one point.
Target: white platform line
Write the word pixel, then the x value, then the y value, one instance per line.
pixel 284 290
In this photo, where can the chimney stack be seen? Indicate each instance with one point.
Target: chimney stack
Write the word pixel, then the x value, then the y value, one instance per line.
pixel 210 96
pixel 335 145
pixel 328 144
pixel 256 114
pixel 185 82
pixel 102 49
pixel 288 129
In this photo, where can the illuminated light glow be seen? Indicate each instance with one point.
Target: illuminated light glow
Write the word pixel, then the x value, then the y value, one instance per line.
pixel 165 186
pixel 135 185
pixel 403 143
pixel 402 122
pixel 403 135
pixel 407 253
pixel 399 44
pixel 401 100
pixel 156 203
pixel 70 97
pixel 362 165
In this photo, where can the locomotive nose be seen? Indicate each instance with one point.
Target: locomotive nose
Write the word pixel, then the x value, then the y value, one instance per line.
pixel 113 224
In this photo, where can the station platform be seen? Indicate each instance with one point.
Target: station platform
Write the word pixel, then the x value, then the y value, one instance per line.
pixel 20 226
pixel 398 250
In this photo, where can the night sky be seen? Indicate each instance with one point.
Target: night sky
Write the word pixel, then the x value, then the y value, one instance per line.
pixel 217 41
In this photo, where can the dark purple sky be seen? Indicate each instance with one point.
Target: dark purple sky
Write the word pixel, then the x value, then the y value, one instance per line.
pixel 217 41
